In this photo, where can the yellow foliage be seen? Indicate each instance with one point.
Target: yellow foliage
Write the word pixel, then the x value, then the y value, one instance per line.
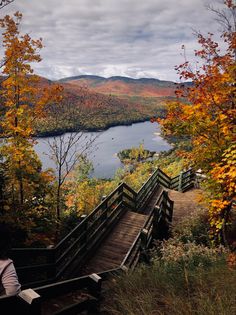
pixel 208 120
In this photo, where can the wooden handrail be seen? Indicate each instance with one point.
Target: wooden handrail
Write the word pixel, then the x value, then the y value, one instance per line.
pixel 89 216
pixel 48 259
pixel 126 186
pixel 101 218
pixel 166 205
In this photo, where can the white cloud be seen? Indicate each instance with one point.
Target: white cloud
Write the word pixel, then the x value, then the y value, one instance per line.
pixel 111 37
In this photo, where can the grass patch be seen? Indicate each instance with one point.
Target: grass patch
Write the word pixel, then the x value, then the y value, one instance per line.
pixel 187 276
pixel 175 289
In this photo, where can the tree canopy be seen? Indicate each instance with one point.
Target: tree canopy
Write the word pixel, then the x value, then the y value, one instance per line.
pixel 25 184
pixel 205 112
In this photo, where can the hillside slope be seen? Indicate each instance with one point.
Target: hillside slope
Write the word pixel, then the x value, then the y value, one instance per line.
pixel 93 103
pixel 124 86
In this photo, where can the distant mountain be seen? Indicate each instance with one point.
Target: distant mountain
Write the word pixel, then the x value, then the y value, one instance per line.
pixel 124 86
pixel 115 78
pixel 81 77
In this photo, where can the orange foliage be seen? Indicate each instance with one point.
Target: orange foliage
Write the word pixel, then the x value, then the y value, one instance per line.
pixel 121 87
pixel 208 119
pixel 23 103
pixel 231 260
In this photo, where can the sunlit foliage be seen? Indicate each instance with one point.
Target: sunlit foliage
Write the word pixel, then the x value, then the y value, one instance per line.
pixel 26 186
pixel 208 118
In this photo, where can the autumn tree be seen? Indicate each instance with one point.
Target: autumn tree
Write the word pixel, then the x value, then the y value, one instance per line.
pixel 67 152
pixel 18 92
pixel 26 185
pixel 207 116
pixel 68 148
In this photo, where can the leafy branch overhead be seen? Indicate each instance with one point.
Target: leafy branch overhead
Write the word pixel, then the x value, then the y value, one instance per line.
pixel 208 117
pixel 3 3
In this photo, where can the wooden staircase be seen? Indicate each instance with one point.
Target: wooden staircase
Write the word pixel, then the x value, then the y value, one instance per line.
pixel 110 239
pixel 114 248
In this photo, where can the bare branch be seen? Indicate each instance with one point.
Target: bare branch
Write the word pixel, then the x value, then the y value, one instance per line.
pixel 3 3
pixel 66 151
pixel 227 19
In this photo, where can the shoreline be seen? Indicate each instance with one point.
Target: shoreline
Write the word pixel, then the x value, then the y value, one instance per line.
pixel 89 129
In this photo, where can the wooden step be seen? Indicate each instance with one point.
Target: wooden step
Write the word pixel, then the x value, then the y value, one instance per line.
pixel 114 248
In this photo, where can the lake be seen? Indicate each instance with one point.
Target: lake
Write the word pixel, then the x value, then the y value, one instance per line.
pixel 108 143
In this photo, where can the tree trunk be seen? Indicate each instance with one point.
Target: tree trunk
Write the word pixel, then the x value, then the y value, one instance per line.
pixel 21 186
pixel 58 201
pixel 224 235
pixel 21 191
pixel 1 192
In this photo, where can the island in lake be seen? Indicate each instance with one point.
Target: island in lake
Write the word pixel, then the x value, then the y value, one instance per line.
pixel 135 154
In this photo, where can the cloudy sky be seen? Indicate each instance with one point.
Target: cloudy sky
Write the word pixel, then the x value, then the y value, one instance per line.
pixel 132 38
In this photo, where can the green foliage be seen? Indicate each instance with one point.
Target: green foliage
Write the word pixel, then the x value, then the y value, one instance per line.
pixel 135 154
pixel 35 220
pixel 193 228
pixel 136 176
pixel 170 162
pixel 82 193
pixel 68 222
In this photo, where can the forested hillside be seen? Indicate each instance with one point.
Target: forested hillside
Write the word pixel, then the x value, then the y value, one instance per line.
pixel 124 86
pixel 82 107
pixel 85 107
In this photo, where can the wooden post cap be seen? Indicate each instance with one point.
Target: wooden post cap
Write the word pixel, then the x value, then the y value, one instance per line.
pixel 124 268
pixel 95 277
pixel 29 295
pixel 145 231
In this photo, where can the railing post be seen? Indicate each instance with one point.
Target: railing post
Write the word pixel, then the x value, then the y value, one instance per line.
pixel 105 206
pixel 96 285
pixel 83 217
pixel 171 211
pixel 135 203
pixel 144 257
pixel 193 176
pixel 51 259
pixel 144 238
pixel 31 302
pixel 158 175
pixel 121 190
pixel 160 226
pixel 156 216
pixel 164 201
pixel 180 181
pixel 95 290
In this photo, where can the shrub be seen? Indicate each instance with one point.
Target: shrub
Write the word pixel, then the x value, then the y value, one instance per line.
pixel 193 228
pixel 188 255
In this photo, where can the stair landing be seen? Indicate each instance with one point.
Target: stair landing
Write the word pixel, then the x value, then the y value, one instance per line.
pixel 184 203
